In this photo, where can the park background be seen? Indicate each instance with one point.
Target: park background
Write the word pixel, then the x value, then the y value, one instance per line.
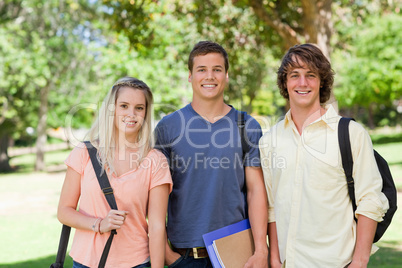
pixel 59 58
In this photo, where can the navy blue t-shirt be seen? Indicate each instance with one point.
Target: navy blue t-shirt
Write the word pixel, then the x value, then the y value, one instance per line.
pixel 206 162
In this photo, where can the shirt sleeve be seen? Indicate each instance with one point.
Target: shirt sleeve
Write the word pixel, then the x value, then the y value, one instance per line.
pixel 264 147
pixel 254 133
pixel 160 171
pixel 162 142
pixel 78 158
pixel 370 201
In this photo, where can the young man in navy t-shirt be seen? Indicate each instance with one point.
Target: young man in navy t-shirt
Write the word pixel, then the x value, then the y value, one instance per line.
pixel 202 143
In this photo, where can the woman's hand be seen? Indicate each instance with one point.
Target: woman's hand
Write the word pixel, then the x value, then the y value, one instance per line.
pixel 114 220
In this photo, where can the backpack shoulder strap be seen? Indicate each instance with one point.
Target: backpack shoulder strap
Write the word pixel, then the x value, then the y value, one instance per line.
pixel 241 124
pixel 102 176
pixel 62 250
pixel 346 155
pixel 107 191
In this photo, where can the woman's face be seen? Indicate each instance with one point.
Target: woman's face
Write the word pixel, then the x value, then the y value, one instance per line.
pixel 130 112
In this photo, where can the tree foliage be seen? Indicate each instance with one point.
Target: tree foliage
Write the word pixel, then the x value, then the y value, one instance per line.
pixel 160 59
pixel 59 58
pixel 369 71
pixel 43 58
pixel 294 22
pixel 176 26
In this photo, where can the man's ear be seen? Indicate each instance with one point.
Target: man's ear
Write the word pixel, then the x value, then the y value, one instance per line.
pixel 189 76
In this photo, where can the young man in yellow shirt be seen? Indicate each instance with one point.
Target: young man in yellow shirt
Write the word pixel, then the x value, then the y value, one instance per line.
pixel 311 221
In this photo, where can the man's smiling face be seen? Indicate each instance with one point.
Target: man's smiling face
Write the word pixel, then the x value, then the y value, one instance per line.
pixel 303 86
pixel 208 77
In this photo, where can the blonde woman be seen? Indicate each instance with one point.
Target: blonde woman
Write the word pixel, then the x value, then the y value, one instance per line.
pixel 138 174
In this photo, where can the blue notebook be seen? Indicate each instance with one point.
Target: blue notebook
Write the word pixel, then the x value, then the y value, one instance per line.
pixel 209 238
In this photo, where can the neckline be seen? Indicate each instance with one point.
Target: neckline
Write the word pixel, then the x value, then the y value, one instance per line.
pixel 208 122
pixel 115 176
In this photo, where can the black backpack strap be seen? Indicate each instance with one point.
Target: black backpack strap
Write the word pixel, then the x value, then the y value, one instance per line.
pixel 61 252
pixel 108 192
pixel 346 155
pixel 102 177
pixel 241 124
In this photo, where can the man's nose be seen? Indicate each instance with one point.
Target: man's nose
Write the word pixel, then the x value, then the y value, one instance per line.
pixel 210 74
pixel 303 80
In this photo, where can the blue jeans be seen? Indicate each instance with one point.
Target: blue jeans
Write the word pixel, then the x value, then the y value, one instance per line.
pixel 79 265
pixel 186 261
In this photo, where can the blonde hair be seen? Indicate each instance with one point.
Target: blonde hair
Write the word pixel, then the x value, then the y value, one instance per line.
pixel 102 134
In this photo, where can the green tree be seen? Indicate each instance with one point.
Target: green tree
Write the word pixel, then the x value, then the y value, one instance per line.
pixel 43 56
pixel 174 27
pixel 369 70
pixel 244 39
pixel 249 28
pixel 155 45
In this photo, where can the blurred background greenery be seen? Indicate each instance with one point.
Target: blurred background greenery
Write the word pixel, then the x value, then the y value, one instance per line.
pixel 58 58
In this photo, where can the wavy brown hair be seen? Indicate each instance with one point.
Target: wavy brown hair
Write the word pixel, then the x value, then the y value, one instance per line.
pixel 315 60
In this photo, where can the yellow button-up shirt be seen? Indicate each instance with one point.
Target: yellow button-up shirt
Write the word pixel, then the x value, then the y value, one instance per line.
pixel 307 190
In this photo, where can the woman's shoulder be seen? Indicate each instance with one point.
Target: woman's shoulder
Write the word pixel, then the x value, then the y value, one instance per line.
pixel 78 157
pixel 80 150
pixel 155 159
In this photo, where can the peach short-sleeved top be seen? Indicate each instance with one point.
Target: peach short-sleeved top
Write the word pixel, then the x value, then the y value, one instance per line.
pixel 130 245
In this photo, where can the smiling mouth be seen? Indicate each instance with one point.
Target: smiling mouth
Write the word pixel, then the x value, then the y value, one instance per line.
pixel 129 123
pixel 302 92
pixel 209 86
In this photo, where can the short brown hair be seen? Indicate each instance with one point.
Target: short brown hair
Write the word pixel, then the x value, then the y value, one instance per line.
pixel 205 47
pixel 316 61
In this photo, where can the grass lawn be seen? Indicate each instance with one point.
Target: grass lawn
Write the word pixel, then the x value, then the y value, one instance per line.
pixel 28 204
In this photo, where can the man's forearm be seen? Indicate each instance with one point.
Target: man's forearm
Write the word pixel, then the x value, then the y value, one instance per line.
pixel 366 228
pixel 170 255
pixel 257 207
pixel 258 215
pixel 275 260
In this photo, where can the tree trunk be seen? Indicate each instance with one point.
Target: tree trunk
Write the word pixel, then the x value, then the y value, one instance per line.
pixel 316 22
pixel 318 28
pixel 4 159
pixel 324 32
pixel 41 129
pixel 286 32
pixel 324 26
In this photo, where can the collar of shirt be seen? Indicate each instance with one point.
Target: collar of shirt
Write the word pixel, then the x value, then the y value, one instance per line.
pixel 330 118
